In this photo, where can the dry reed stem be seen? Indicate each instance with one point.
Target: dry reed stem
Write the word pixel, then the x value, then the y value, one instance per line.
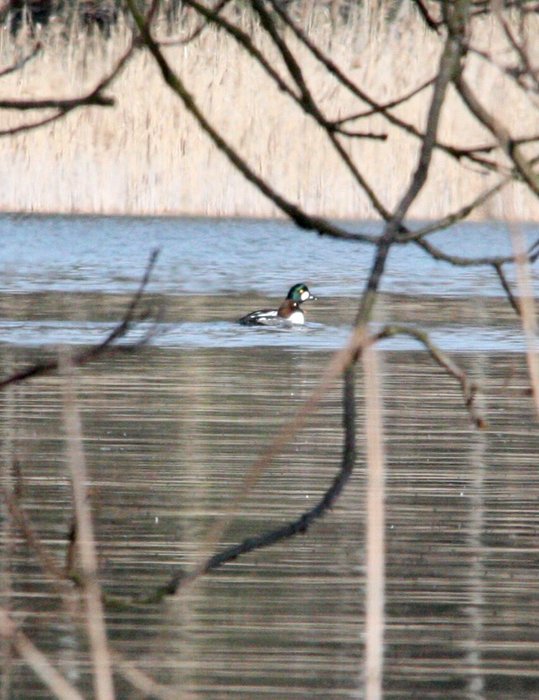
pixel 7 534
pixel 526 304
pixel 91 590
pixel 147 157
pixel 375 545
pixel 36 660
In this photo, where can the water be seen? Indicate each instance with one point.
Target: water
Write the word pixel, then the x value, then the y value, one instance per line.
pixel 170 431
pixel 224 256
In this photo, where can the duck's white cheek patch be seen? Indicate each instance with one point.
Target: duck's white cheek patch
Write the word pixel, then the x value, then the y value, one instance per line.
pixel 304 296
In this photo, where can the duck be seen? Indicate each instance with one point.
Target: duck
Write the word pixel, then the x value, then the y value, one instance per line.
pixel 288 313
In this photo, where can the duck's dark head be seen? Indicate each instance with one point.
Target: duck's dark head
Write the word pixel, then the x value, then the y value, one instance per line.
pixel 300 293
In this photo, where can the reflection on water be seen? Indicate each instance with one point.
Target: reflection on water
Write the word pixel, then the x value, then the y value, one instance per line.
pixel 169 433
pixel 169 436
pixel 187 335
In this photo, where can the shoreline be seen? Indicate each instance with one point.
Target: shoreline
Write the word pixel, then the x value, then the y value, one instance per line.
pixel 279 218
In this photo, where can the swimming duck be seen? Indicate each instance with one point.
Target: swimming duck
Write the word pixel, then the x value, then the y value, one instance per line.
pixel 289 312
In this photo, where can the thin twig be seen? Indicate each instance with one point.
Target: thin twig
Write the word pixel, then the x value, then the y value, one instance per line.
pixel 453 217
pixel 520 51
pixel 93 97
pixel 354 89
pixel 351 134
pixel 497 129
pixel 309 105
pixel 21 61
pixel 483 261
pixel 31 126
pixel 433 24
pixel 386 105
pixel 469 388
pixel 66 105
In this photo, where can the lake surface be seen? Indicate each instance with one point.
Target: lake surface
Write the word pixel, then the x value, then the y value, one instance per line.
pixel 171 430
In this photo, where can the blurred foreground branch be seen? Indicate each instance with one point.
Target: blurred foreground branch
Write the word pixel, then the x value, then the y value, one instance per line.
pixel 36 660
pixel 133 315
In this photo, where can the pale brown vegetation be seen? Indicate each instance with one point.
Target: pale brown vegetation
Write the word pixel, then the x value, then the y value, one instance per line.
pixel 147 156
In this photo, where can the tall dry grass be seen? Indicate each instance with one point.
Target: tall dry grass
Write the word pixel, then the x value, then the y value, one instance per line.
pixel 147 156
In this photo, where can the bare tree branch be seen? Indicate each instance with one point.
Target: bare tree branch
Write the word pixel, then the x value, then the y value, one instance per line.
pixel 387 105
pixel 354 89
pixel 448 65
pixel 507 288
pixel 298 526
pixel 86 545
pixel 507 143
pixel 515 74
pixel 461 261
pixel 469 388
pixel 66 105
pixel 301 219
pixel 93 98
pixel 107 345
pixel 453 217
pixel 343 361
pixel 310 107
pixel 351 134
pixel 527 67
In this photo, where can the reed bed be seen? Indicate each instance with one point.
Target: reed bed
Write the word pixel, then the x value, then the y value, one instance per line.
pixel 146 156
